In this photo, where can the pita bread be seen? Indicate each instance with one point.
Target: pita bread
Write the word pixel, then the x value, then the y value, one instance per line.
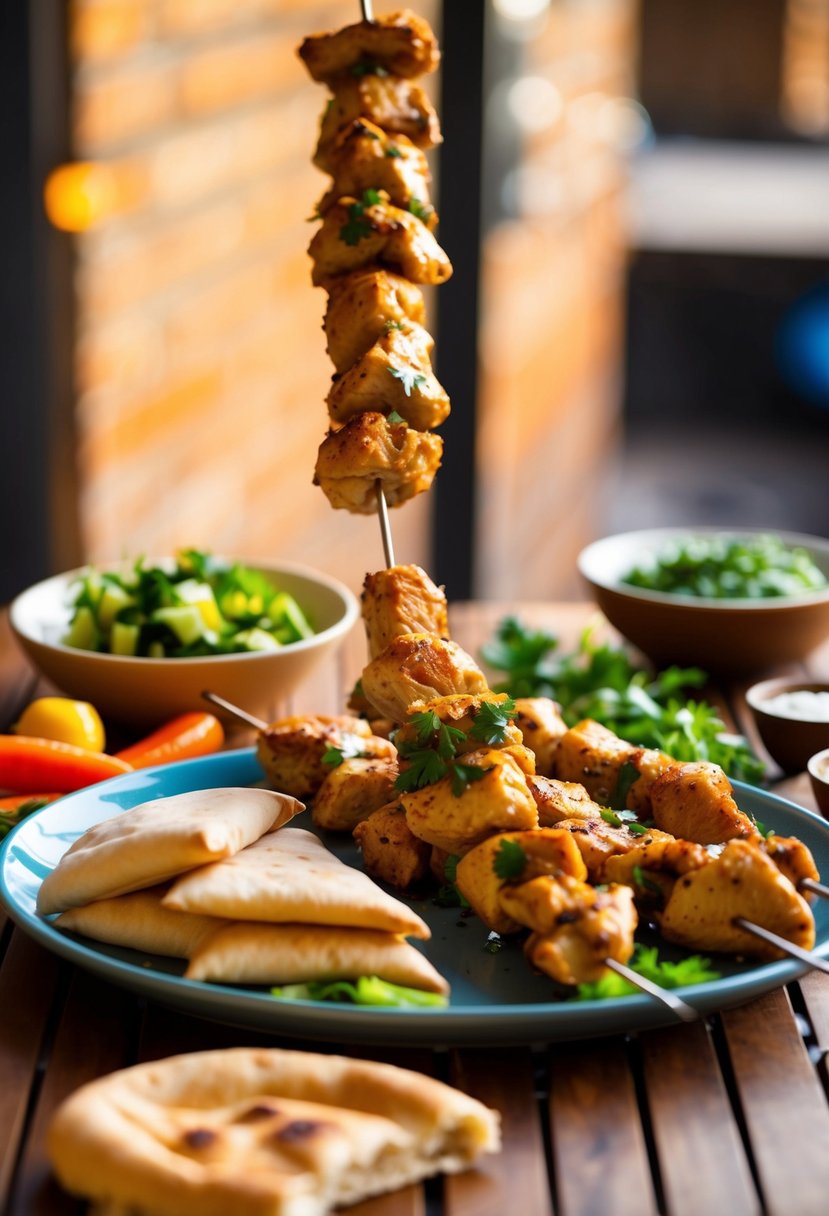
pixel 291 876
pixel 140 921
pixel 157 840
pixel 261 1132
pixel 294 954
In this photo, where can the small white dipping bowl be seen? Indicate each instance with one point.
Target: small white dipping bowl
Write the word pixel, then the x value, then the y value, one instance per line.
pixel 146 691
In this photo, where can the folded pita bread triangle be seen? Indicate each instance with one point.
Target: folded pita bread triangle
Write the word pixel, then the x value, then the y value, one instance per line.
pixel 140 921
pixel 261 1132
pixel 252 953
pixel 158 840
pixel 291 876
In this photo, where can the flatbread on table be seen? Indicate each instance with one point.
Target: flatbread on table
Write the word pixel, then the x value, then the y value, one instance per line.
pixel 291 876
pixel 255 953
pixel 140 921
pixel 158 840
pixel 261 1132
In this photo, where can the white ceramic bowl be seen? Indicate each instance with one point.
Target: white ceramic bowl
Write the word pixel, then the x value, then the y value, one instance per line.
pixel 732 636
pixel 147 691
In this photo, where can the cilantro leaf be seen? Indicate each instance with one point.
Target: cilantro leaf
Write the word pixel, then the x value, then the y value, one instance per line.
pixel 423 211
pixel 332 756
pixel 358 226
pixel 425 724
pixel 393 152
pixel 408 377
pixel 368 69
pixel 510 860
pixel 492 720
pixel 349 748
pixel 395 417
pixel 448 896
pixel 692 970
pixel 464 775
pixel 390 325
pixel 628 775
pixel 645 884
pixel 423 767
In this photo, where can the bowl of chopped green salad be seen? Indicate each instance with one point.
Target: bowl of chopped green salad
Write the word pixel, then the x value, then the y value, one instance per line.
pixel 730 600
pixel 142 639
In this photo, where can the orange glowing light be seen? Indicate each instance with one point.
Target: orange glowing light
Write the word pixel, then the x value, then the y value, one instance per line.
pixel 78 195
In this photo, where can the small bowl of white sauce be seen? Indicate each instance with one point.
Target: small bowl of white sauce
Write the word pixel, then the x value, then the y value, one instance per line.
pixel 818 767
pixel 792 718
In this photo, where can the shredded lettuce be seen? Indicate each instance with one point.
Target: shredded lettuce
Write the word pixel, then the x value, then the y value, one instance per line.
pixel 646 962
pixel 367 990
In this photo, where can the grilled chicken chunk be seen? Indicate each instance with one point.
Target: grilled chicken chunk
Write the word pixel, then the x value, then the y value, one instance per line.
pixel 369 449
pixel 791 856
pixel 582 927
pixel 401 44
pixel 291 750
pixel 649 764
pixel 357 232
pixel 401 599
pixel 352 791
pixel 599 841
pixel 540 722
pixel 694 801
pixel 364 157
pixel 391 852
pixel 592 755
pixel 460 711
pixel 741 882
pixel 393 104
pixel 559 800
pixel 498 802
pixel 361 308
pixel 652 867
pixel 547 851
pixel 395 374
pixel 419 667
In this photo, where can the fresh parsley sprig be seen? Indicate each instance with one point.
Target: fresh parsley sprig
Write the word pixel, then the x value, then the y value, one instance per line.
pixel 409 378
pixel 510 860
pixel 358 225
pixel 432 754
pixel 491 721
pixel 646 962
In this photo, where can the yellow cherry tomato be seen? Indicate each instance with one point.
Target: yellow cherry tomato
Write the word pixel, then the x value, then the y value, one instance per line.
pixel 67 721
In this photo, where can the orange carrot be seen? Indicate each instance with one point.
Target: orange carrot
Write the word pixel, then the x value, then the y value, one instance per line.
pixel 193 734
pixel 28 765
pixel 13 802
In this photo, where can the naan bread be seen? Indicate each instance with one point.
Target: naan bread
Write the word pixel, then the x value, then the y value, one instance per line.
pixel 261 1132
pixel 160 839
pixel 294 954
pixel 291 876
pixel 140 921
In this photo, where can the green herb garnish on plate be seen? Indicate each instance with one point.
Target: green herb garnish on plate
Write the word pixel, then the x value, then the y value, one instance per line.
pixel 367 990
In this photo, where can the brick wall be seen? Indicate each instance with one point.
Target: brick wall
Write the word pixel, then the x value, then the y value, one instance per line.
pixel 200 366
pixel 551 337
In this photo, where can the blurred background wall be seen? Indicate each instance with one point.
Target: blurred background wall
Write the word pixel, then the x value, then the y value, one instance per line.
pixel 635 195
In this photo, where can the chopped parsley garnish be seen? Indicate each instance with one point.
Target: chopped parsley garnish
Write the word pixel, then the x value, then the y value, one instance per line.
pixel 408 377
pixel 448 896
pixel 392 152
pixel 368 69
pixel 395 417
pixel 464 775
pixel 390 325
pixel 423 767
pixel 491 721
pixel 432 756
pixel 643 883
pixel 423 211
pixel 510 860
pixel 646 962
pixel 628 776
pixel 349 749
pixel 358 226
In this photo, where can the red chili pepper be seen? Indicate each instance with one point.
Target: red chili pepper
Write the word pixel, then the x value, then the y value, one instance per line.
pixel 28 765
pixel 193 734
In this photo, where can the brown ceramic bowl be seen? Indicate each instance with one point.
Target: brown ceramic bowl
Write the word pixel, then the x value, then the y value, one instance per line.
pixel 738 636
pixel 818 767
pixel 788 740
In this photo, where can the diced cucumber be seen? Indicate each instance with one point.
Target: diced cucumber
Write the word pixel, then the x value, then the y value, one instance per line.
pixel 185 621
pixel 113 599
pixel 257 639
pixel 200 595
pixel 83 632
pixel 156 650
pixel 124 638
pixel 284 605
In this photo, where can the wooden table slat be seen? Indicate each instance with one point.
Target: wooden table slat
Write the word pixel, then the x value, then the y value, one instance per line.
pixel 815 989
pixel 599 1146
pixel 102 1019
pixel 516 1179
pixel 783 1105
pixel 699 1128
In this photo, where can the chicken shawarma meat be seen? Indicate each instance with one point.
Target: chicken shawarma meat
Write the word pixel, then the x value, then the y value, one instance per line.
pixel 400 44
pixel 791 856
pixel 365 157
pixel 362 307
pixel 292 750
pixel 401 599
pixel 742 882
pixel 358 232
pixel 649 763
pixel 592 755
pixel 559 800
pixel 419 667
pixel 352 791
pixel 547 851
pixel 394 375
pixel 393 104
pixel 369 449
pixel 695 801
pixel 598 841
pixel 498 802
pixel 580 926
pixel 542 726
pixel 652 867
pixel 391 851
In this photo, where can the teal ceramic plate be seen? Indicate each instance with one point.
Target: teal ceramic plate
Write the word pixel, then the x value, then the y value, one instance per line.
pixel 495 997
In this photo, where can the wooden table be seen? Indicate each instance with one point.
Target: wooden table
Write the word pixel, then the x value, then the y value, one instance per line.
pixel 727 1117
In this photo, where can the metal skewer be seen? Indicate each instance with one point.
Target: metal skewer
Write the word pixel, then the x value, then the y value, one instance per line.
pixel 816 888
pixel 368 10
pixel 684 1011
pixel 234 710
pixel 385 526
pixel 786 947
